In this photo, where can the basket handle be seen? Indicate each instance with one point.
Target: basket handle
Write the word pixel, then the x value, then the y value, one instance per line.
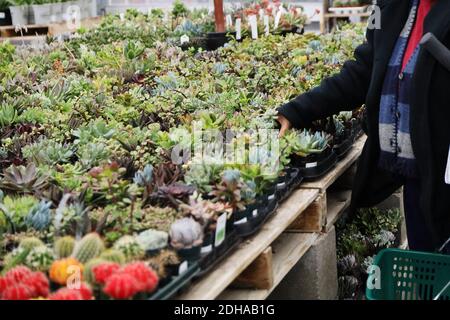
pixel 442 248
pixel 442 291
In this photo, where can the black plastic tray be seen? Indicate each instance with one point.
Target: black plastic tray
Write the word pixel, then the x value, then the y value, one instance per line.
pixel 321 168
pixel 344 147
pixel 177 283
pixel 255 223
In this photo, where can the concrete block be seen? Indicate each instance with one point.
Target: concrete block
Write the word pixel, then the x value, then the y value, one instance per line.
pixel 315 275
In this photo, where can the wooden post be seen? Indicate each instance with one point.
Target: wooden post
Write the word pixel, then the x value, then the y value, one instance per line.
pixel 218 14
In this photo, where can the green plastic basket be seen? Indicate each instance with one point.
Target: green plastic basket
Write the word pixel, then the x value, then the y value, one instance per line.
pixel 409 275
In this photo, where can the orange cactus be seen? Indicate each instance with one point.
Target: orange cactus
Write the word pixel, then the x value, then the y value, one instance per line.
pixel 61 270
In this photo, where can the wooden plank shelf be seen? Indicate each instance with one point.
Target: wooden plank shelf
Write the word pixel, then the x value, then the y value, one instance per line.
pixel 325 182
pixel 288 249
pixel 337 203
pixel 215 282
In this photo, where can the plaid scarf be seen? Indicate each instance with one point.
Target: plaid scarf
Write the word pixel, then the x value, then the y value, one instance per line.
pixel 395 141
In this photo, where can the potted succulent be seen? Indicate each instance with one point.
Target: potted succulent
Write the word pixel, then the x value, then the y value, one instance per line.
pixel 5 13
pixel 186 236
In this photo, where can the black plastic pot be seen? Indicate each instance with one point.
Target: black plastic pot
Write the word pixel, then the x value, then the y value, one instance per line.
pixel 6 21
pixel 297 30
pixel 315 165
pixel 208 244
pixel 190 254
pixel 215 40
pixel 344 146
pixel 177 283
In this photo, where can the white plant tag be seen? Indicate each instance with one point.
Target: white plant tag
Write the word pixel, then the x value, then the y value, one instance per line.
pixel 277 19
pixel 122 16
pixel 243 220
pixel 228 21
pixel 266 25
pixel 261 14
pixel 311 165
pixel 220 229
pixel 255 212
pixel 2 15
pixel 184 39
pixel 238 29
pixel 206 249
pixel 183 267
pixel 447 170
pixel 253 26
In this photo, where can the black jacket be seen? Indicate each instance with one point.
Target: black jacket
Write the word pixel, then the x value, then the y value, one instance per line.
pixel 360 82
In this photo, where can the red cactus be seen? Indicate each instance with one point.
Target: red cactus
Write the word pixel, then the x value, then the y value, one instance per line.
pixel 105 270
pixel 66 294
pixel 86 291
pixel 4 283
pixel 38 283
pixel 147 278
pixel 121 286
pixel 17 292
pixel 17 274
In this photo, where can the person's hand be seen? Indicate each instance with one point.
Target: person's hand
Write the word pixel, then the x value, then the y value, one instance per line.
pixel 285 125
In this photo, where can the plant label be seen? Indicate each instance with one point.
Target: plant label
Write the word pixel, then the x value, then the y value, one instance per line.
pixel 122 16
pixel 2 15
pixel 261 14
pixel 447 170
pixel 183 267
pixel 228 21
pixel 311 165
pixel 206 249
pixel 253 26
pixel 238 29
pixel 266 25
pixel 221 229
pixel 184 39
pixel 277 19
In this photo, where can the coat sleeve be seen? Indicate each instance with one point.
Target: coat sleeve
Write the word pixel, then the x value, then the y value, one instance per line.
pixel 346 90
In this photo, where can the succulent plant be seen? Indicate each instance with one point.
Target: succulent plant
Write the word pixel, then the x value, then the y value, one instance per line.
pixel 129 246
pixel 29 243
pixel 185 233
pixel 62 269
pixel 113 255
pixel 152 239
pixel 8 115
pixel 88 274
pixel 121 286
pixel 40 258
pixel 89 247
pixel 64 246
pixel 145 177
pixel 164 259
pixel 40 216
pixel 23 179
pixel 308 143
pixel 146 277
pixel 48 152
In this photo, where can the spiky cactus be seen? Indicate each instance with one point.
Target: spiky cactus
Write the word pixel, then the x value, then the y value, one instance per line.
pixel 40 258
pixel 30 243
pixel 89 247
pixel 129 246
pixel 88 275
pixel 113 255
pixel 64 246
pixel 39 217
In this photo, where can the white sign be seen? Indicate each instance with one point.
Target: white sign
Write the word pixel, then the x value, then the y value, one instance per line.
pixel 266 25
pixel 277 19
pixel 253 26
pixel 238 29
pixel 228 21
pixel 221 229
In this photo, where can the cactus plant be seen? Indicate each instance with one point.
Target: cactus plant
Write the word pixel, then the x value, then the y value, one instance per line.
pixel 15 258
pixel 40 258
pixel 113 255
pixel 145 275
pixel 60 270
pixel 17 291
pixel 38 282
pixel 152 239
pixel 103 271
pixel 30 242
pixel 186 233
pixel 129 246
pixel 39 216
pixel 88 274
pixel 64 246
pixel 121 286
pixel 89 247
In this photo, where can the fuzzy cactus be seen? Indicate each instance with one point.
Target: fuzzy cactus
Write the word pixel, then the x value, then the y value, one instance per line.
pixel 152 239
pixel 88 274
pixel 129 246
pixel 17 292
pixel 30 243
pixel 121 286
pixel 40 258
pixel 185 233
pixel 40 216
pixel 145 276
pixel 64 246
pixel 89 247
pixel 60 269
pixel 113 255
pixel 103 271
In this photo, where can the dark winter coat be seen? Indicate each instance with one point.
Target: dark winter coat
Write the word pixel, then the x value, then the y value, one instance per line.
pixel 360 82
